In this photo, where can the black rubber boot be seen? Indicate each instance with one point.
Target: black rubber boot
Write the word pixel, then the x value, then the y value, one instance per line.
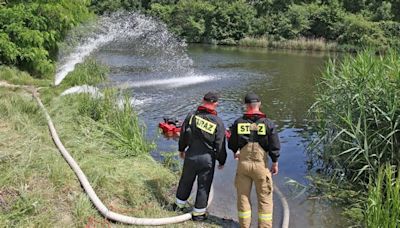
pixel 201 217
pixel 185 209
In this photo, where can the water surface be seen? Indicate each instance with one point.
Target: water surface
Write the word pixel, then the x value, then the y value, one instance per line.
pixel 286 83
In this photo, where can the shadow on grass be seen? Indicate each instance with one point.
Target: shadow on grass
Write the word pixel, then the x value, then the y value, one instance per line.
pixel 214 220
pixel 155 187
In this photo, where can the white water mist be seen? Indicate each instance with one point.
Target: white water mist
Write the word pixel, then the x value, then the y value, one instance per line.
pixel 131 28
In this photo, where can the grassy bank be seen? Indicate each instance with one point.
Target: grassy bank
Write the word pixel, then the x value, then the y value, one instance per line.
pixel 37 187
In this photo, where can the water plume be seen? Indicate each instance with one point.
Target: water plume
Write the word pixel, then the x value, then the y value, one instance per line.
pixel 127 30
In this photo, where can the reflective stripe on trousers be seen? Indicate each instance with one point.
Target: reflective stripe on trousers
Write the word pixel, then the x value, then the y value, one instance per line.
pixel 252 167
pixel 244 214
pixel 265 217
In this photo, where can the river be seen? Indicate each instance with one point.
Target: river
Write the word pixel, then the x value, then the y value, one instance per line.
pixel 286 82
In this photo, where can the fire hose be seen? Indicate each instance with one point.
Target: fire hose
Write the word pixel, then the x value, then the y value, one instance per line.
pixel 91 193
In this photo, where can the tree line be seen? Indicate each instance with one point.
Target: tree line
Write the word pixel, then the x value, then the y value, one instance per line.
pixel 31 29
pixel 353 23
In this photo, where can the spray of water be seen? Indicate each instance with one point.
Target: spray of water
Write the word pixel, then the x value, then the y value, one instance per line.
pixel 169 83
pixel 130 29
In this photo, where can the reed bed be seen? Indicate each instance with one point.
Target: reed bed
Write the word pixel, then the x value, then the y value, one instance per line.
pixel 358 114
pixel 318 44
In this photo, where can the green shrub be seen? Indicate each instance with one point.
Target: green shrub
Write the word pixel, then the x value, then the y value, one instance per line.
pixel 396 10
pixel 299 18
pixel 383 12
pixel 262 26
pixel 391 31
pixel 191 18
pixel 230 20
pixel 162 12
pixel 323 20
pixel 107 6
pixel 356 30
pixel 354 6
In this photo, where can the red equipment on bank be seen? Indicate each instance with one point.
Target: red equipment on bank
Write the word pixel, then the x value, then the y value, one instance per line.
pixel 172 127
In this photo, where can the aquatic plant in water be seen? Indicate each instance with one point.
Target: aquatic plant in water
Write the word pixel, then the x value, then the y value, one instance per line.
pixel 358 114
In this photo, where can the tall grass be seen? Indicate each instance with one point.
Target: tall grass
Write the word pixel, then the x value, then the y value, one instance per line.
pixel 297 44
pixel 38 189
pixel 90 72
pixel 358 114
pixel 115 116
pixel 15 76
pixel 383 208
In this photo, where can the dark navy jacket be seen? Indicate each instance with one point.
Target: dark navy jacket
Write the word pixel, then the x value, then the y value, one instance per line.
pixel 203 133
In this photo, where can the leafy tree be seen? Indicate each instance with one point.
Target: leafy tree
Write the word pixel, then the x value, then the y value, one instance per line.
pixel 29 32
pixel 383 12
pixel 146 4
pixel 396 9
pixel 264 7
pixel 354 6
pixel 358 31
pixel 191 18
pixel 163 12
pixel 231 21
pixel 264 26
pixel 299 19
pixel 104 6
pixel 323 20
pixel 391 31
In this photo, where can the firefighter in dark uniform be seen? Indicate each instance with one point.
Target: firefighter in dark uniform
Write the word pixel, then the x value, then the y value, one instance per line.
pixel 253 139
pixel 201 143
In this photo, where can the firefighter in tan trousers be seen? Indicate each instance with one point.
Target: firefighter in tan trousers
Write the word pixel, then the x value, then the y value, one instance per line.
pixel 253 139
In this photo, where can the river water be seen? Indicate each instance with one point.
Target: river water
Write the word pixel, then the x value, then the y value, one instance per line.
pixel 286 83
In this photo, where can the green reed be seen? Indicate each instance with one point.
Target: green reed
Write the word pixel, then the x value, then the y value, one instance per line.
pixel 295 44
pixel 115 116
pixel 358 115
pixel 383 206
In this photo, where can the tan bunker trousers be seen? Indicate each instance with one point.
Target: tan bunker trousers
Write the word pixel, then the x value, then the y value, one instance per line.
pixel 253 166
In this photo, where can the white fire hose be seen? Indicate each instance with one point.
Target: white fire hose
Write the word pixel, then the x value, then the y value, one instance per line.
pixel 90 192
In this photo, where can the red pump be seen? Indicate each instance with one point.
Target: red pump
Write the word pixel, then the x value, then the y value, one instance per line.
pixel 172 127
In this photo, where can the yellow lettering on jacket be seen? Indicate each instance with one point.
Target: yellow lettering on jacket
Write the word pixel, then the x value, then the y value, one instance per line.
pixel 261 129
pixel 205 125
pixel 243 128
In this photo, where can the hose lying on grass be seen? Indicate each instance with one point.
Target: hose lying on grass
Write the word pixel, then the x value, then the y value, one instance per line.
pixel 90 192
pixel 95 199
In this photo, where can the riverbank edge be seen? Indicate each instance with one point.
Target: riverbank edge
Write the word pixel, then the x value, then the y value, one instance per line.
pixel 39 188
pixel 301 44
